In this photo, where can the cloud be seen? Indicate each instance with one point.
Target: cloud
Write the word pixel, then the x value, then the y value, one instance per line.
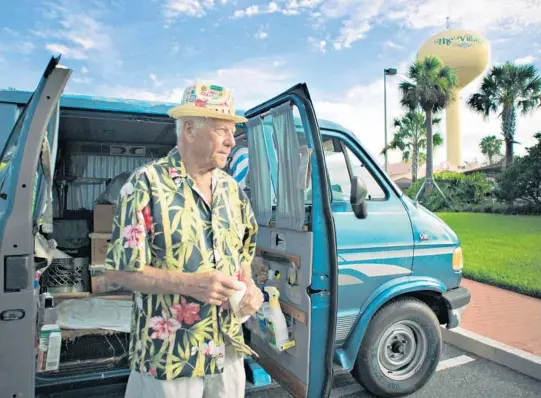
pixel 256 10
pixel 482 15
pixel 261 35
pixel 185 51
pixel 77 32
pixel 286 7
pixel 82 79
pixel 66 51
pixel 319 45
pixel 529 59
pixel 155 81
pixel 252 81
pixel 392 44
pixel 174 50
pixel 81 76
pixel 25 47
pixel 9 31
pixel 357 17
pixel 192 8
pixel 361 110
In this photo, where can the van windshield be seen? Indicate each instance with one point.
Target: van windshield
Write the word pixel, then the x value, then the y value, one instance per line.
pixel 12 145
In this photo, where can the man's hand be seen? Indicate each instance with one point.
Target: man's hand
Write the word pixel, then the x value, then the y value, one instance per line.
pixel 212 287
pixel 252 300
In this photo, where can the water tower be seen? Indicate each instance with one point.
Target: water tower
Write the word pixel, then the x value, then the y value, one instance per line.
pixel 468 53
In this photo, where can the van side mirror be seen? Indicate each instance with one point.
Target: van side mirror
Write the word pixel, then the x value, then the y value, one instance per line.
pixel 358 197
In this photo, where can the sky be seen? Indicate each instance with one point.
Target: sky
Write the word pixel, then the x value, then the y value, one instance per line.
pixel 152 49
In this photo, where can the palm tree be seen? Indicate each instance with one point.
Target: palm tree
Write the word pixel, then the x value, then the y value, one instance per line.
pixel 431 88
pixel 508 87
pixel 491 147
pixel 410 139
pixel 422 158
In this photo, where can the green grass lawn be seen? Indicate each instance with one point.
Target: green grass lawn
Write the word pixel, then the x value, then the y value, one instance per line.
pixel 501 250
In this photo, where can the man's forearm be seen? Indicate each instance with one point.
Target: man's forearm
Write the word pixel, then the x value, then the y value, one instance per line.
pixel 151 281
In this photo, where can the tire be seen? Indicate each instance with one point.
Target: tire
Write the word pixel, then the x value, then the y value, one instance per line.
pixel 403 320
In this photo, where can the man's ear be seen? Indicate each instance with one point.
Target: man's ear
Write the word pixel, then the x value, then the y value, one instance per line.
pixel 189 131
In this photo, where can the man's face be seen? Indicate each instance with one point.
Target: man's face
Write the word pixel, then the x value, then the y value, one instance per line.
pixel 211 141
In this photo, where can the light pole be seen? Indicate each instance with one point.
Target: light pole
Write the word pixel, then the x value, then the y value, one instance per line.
pixel 390 72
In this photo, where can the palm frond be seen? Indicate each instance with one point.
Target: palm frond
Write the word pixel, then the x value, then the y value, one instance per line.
pixel 437 139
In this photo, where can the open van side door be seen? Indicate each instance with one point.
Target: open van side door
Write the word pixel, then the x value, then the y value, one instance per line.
pixel 296 240
pixel 18 225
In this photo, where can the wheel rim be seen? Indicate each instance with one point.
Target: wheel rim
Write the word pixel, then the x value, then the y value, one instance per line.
pixel 402 350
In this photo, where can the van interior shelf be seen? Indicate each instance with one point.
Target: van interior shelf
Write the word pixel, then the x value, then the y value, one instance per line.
pixel 82 295
pixel 82 180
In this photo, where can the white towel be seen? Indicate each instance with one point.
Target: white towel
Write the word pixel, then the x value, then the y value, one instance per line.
pixel 95 314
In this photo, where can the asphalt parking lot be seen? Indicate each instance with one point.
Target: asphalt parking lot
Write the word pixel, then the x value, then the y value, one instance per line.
pixel 460 374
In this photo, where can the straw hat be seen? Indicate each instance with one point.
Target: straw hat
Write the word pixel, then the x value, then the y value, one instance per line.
pixel 207 100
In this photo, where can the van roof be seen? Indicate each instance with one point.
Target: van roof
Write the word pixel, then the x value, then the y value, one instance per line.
pixel 121 105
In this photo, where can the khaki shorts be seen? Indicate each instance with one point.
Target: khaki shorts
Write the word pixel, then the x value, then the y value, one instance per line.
pixel 230 384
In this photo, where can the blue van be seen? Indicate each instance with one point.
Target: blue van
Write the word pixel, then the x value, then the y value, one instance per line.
pixel 367 277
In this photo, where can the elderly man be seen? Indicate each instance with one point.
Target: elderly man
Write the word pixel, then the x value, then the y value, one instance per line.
pixel 184 235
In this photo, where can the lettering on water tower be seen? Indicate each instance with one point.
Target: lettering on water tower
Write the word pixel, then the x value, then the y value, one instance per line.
pixel 463 41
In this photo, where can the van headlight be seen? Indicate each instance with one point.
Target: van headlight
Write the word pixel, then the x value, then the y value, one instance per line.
pixel 458 262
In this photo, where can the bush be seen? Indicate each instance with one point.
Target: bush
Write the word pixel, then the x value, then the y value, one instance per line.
pixel 521 181
pixel 460 191
pixel 522 209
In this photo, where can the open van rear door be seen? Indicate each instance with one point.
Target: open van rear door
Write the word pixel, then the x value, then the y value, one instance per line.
pixel 296 240
pixel 18 225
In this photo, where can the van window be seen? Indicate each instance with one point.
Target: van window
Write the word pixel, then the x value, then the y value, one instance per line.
pixel 336 156
pixel 12 144
pixel 272 153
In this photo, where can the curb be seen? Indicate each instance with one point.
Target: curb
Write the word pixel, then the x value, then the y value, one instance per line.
pixel 513 358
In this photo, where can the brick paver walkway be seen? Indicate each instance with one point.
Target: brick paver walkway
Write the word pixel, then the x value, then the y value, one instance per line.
pixel 504 316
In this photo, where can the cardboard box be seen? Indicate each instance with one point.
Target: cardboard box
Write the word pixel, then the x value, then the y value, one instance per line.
pixel 103 218
pixel 99 245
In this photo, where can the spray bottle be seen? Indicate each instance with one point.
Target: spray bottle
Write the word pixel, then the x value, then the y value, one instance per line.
pixel 276 321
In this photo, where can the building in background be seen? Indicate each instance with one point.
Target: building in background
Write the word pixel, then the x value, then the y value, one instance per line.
pixel 400 173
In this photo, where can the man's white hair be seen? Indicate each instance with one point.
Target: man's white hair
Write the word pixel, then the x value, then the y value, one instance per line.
pixel 198 123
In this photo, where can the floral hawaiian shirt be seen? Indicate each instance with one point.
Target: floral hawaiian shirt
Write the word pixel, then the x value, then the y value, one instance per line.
pixel 162 221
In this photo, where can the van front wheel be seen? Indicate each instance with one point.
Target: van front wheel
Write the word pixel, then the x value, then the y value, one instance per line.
pixel 400 350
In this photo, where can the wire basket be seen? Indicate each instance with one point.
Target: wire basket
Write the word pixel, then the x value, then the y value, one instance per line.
pixel 67 275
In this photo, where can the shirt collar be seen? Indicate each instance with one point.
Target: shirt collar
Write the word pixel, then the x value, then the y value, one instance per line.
pixel 176 165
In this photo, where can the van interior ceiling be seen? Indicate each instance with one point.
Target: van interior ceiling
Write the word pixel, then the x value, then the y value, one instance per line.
pixel 95 147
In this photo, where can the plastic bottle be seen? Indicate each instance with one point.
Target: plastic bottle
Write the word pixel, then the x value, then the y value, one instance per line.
pixel 50 336
pixel 37 277
pixel 50 344
pixel 276 321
